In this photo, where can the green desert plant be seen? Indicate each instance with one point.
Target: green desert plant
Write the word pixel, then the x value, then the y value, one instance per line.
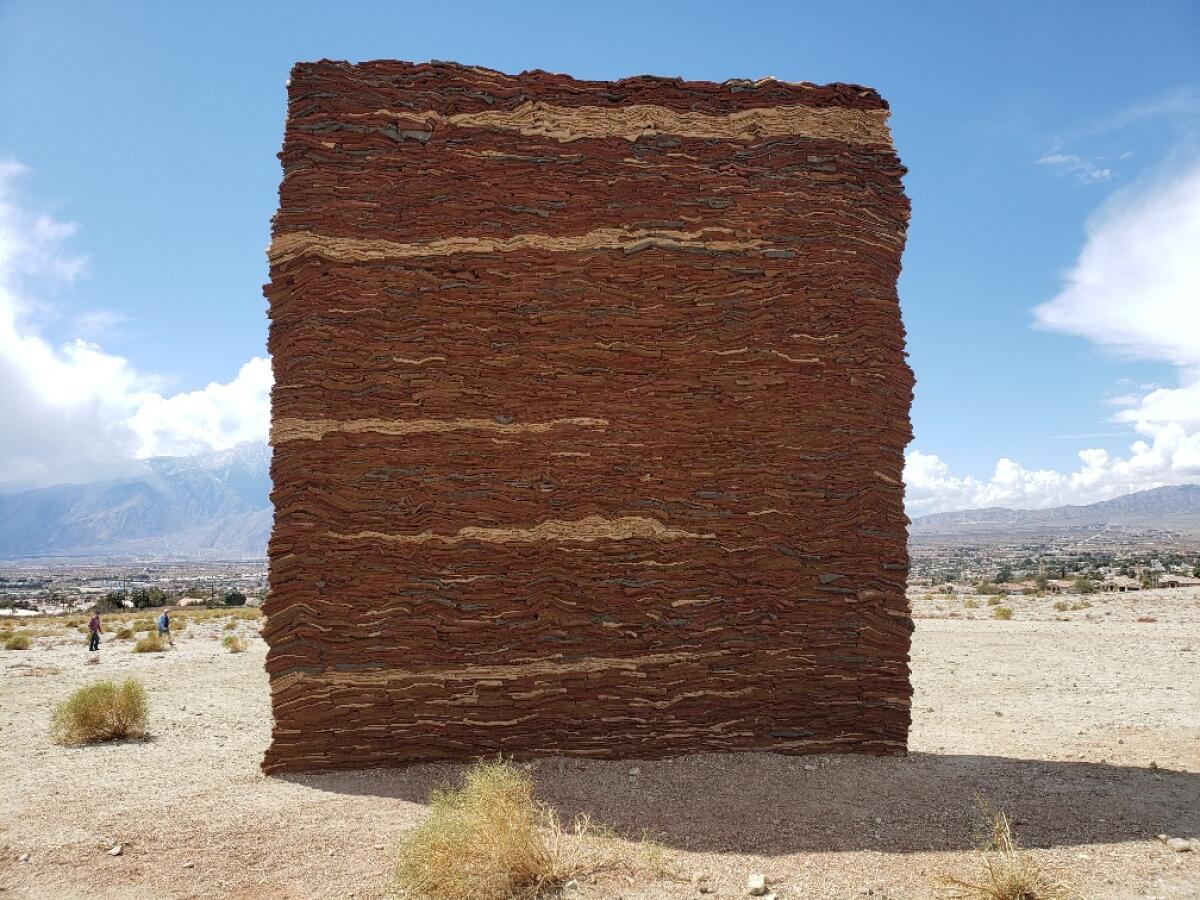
pixel 1002 612
pixel 104 711
pixel 150 643
pixel 17 641
pixel 234 644
pixel 489 839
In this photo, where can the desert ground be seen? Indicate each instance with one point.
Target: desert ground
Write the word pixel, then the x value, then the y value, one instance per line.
pixel 1083 725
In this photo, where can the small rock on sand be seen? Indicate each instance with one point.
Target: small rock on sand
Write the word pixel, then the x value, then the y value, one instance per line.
pixel 116 850
pixel 756 884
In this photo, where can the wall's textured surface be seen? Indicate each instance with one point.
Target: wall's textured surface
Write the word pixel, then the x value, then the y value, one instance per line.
pixel 589 407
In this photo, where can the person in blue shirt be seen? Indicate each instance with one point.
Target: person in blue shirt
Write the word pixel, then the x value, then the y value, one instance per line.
pixel 164 627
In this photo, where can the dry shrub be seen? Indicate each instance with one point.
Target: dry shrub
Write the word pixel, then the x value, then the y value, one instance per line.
pixel 490 840
pixel 230 625
pixel 1008 874
pixel 971 604
pixel 234 644
pixel 124 634
pixel 142 625
pixel 151 643
pixel 1062 605
pixel 993 600
pixel 1002 612
pixel 18 640
pixel 104 711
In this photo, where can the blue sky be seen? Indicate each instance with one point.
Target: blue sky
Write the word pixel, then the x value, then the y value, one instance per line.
pixel 146 135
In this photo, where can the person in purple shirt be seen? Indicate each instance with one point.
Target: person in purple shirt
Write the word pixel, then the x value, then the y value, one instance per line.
pixel 94 632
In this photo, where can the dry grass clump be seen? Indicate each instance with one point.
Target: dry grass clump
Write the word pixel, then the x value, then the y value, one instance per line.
pixel 104 711
pixel 124 634
pixel 142 625
pixel 490 840
pixel 18 640
pixel 1062 605
pixel 1002 612
pixel 231 624
pixel 151 643
pixel 234 644
pixel 969 603
pixel 1008 874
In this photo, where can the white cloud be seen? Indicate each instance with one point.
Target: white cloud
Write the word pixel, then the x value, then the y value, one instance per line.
pixel 1136 285
pixel 1176 108
pixel 1082 170
pixel 73 411
pixel 212 418
pixel 1135 290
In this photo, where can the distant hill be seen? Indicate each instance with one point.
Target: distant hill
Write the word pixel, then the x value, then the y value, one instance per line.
pixel 198 507
pixel 1175 508
pixel 217 506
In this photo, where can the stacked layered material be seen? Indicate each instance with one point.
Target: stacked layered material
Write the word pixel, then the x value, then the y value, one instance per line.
pixel 589 410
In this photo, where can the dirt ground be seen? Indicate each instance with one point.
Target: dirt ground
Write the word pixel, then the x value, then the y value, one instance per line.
pixel 1083 725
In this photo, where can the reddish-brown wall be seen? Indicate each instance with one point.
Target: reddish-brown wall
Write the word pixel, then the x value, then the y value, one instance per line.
pixel 589 411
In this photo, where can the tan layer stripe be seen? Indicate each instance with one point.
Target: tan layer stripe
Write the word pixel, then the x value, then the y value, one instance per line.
pixel 299 243
pixel 314 429
pixel 586 530
pixel 572 123
pixel 516 670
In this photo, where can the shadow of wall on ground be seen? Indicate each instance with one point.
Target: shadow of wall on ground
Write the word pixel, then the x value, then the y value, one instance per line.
pixel 769 804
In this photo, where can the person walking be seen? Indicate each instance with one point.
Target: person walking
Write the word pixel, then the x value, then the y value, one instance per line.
pixel 164 627
pixel 94 633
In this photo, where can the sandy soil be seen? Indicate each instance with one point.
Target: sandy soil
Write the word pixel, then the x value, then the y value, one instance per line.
pixel 1086 731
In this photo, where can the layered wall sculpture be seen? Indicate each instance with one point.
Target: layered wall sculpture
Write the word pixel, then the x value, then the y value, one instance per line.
pixel 589 410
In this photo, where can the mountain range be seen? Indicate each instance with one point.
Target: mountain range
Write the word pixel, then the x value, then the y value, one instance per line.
pixel 218 506
pixel 214 506
pixel 1173 508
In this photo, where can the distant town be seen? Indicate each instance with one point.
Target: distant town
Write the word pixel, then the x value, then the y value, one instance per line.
pixel 52 588
pixel 1082 560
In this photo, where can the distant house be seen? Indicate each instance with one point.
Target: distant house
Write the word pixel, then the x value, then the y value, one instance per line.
pixel 1059 586
pixel 1171 581
pixel 1120 584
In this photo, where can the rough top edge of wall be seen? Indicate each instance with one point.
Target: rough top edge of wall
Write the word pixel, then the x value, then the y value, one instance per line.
pixel 831 94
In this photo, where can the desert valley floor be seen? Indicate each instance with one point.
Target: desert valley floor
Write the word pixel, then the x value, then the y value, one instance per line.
pixel 1082 724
